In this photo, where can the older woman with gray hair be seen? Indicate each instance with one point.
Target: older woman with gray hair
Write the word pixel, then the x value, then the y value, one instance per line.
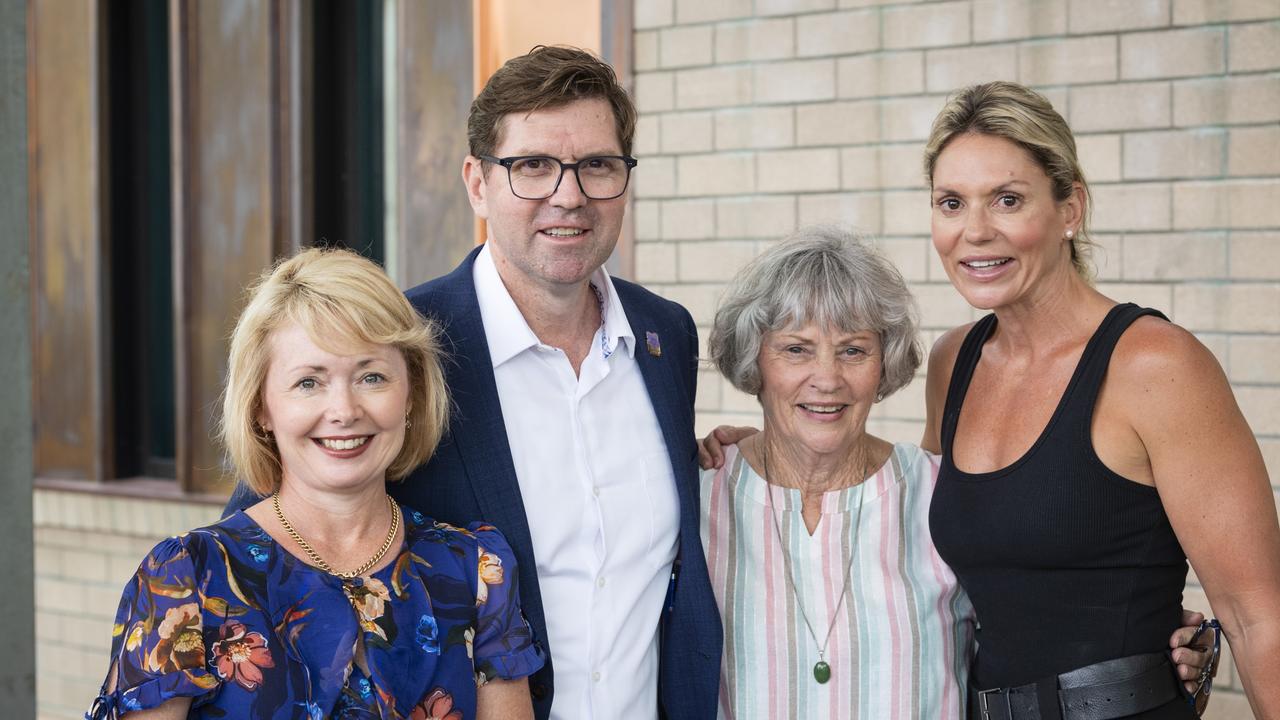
pixel 835 603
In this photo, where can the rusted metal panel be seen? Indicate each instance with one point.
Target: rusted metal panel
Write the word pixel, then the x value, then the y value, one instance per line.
pixel 69 304
pixel 229 201
pixel 438 71
pixel 617 30
pixel 432 79
pixel 292 47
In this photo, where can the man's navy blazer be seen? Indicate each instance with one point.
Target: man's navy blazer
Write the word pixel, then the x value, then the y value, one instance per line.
pixel 472 477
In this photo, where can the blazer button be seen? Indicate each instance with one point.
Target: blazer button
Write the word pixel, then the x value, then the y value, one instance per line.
pixel 538 690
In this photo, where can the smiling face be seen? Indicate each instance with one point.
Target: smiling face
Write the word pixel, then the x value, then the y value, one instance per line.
pixel 561 240
pixel 338 419
pixel 818 386
pixel 996 226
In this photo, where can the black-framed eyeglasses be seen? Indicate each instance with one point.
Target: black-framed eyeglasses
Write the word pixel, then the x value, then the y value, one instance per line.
pixel 537 177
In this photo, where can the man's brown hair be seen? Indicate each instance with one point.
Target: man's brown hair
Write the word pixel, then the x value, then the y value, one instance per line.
pixel 546 77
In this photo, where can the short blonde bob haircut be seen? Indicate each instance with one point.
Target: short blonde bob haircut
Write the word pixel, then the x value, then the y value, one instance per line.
pixel 343 300
pixel 1027 119
pixel 823 275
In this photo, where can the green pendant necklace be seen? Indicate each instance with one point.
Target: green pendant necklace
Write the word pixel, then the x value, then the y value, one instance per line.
pixel 821 670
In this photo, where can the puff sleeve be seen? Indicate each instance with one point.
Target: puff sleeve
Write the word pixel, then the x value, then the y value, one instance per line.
pixel 157 649
pixel 503 645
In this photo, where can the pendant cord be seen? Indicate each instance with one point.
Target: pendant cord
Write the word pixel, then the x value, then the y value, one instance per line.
pixel 788 565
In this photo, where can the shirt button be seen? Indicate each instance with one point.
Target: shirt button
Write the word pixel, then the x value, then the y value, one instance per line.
pixel 600 583
pixel 595 676
pixel 595 491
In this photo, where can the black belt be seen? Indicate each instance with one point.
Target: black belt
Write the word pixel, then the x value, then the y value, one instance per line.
pixel 1105 690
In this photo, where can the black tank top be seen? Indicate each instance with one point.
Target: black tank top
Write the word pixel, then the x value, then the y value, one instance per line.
pixel 1067 563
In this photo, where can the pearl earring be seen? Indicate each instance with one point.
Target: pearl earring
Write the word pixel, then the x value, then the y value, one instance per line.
pixel 1071 234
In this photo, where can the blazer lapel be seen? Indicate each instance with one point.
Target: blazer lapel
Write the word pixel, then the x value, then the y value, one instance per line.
pixel 479 433
pixel 672 411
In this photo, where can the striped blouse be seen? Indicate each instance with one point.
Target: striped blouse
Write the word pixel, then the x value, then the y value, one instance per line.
pixel 902 641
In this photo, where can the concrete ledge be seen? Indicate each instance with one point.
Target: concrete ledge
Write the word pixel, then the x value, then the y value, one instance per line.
pixel 153 517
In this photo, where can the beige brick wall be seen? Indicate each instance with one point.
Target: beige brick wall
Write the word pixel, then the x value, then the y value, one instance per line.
pixel 818 111
pixel 86 548
pixel 758 115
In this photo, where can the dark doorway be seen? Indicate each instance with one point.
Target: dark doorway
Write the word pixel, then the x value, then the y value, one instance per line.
pixel 347 124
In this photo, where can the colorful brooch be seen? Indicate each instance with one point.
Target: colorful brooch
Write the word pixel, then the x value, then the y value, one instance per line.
pixel 652 344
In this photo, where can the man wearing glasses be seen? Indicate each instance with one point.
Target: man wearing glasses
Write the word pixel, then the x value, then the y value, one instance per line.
pixel 574 392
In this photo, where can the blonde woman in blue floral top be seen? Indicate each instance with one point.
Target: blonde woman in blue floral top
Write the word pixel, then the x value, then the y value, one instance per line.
pixel 327 599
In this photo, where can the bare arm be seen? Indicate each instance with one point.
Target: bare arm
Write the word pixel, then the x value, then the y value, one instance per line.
pixel 174 709
pixel 504 700
pixel 1213 484
pixel 942 359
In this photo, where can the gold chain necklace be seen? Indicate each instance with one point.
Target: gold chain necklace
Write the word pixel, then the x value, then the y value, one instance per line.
pixel 821 670
pixel 319 561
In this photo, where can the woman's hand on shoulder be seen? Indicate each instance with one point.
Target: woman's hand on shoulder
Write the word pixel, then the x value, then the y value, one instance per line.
pixel 942 360
pixel 711 447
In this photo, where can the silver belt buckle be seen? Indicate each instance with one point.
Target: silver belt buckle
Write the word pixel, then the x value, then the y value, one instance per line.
pixel 984 708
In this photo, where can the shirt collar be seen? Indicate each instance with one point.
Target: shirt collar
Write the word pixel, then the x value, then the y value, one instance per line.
pixel 612 317
pixel 508 334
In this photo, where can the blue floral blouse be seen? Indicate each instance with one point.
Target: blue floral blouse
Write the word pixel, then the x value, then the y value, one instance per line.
pixel 225 616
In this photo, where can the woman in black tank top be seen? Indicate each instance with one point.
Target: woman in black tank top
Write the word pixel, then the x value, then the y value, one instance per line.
pixel 1086 444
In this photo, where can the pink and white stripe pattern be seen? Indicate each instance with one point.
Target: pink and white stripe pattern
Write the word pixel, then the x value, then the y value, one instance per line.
pixel 902 641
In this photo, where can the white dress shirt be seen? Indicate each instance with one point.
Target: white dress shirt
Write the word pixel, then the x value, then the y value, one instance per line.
pixel 600 495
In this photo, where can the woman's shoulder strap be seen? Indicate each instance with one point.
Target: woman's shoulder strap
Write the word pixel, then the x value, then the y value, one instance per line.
pixel 962 373
pixel 1098 352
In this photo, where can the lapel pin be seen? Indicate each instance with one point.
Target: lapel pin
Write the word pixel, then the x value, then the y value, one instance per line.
pixel 652 344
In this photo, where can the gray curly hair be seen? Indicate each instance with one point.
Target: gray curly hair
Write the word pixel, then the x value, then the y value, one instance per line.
pixel 824 275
